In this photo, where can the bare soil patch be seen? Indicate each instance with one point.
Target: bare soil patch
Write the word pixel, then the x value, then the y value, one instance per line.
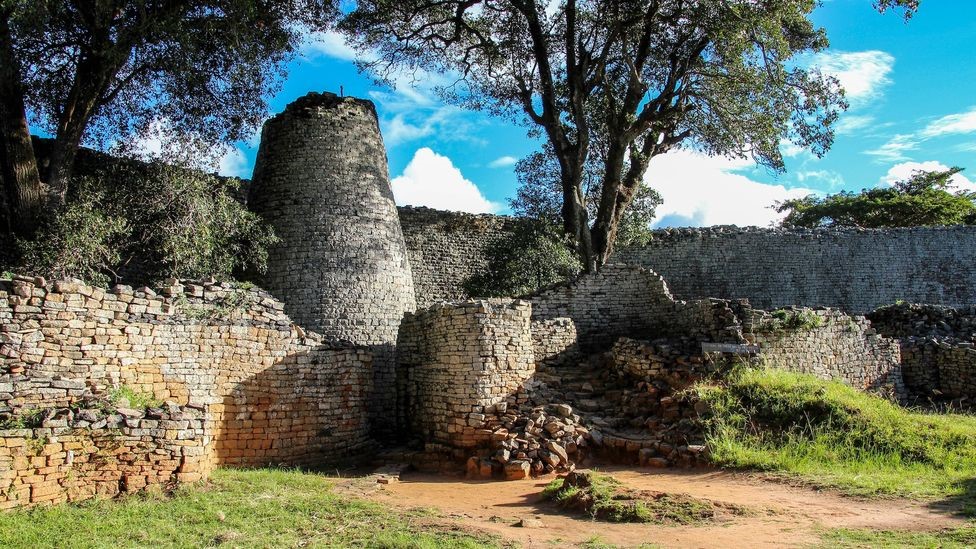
pixel 779 515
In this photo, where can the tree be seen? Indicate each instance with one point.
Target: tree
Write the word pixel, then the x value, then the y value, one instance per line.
pixel 645 76
pixel 922 200
pixel 539 196
pixel 103 71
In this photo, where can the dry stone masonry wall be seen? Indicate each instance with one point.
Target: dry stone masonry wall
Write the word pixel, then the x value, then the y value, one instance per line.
pixel 448 248
pixel 270 392
pixel 461 364
pixel 850 269
pixel 341 268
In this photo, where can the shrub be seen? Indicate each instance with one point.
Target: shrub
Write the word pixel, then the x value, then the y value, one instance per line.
pixel 130 219
pixel 532 256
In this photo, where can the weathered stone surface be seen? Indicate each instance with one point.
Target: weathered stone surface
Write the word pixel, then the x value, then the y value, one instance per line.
pixel 341 267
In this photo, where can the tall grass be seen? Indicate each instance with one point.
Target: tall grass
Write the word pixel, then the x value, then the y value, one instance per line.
pixel 833 435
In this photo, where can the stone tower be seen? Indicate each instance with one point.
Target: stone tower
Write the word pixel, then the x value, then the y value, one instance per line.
pixel 341 267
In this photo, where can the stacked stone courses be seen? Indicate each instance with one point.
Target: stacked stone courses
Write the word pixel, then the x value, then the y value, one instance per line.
pixel 461 364
pixel 341 268
pixel 446 249
pixel 270 392
pixel 855 270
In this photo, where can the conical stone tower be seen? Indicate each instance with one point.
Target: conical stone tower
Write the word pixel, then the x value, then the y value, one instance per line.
pixel 321 180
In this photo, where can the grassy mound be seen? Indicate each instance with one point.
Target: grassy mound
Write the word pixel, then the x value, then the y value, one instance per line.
pixel 604 498
pixel 830 434
pixel 238 508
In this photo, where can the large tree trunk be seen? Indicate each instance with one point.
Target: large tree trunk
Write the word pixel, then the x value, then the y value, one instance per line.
pixel 18 165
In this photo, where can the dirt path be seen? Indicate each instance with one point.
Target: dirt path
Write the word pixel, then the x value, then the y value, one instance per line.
pixel 781 515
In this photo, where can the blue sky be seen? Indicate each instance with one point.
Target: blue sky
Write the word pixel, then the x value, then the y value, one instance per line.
pixel 912 88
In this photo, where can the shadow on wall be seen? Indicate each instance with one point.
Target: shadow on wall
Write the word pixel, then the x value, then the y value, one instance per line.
pixel 308 409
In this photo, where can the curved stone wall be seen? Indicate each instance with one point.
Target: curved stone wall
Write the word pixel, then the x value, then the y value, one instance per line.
pixel 321 180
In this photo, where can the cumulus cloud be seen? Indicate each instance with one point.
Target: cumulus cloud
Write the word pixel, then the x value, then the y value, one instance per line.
pixel 503 162
pixel 235 164
pixel 432 180
pixel 699 190
pixel 862 74
pixel 905 170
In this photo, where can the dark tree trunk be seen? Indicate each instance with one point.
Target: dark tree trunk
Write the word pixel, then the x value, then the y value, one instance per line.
pixel 18 165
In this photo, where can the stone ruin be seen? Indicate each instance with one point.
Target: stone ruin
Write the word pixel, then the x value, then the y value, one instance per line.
pixel 331 361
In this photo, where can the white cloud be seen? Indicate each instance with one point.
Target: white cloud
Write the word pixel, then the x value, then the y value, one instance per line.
pixel 848 124
pixel 833 179
pixel 961 123
pixel 905 170
pixel 862 74
pixel 790 149
pixel 235 164
pixel 432 180
pixel 895 149
pixel 699 190
pixel 503 162
pixel 328 44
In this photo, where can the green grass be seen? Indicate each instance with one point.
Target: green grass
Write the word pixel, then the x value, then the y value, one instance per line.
pixel 605 498
pixel 959 538
pixel 128 397
pixel 239 508
pixel 832 435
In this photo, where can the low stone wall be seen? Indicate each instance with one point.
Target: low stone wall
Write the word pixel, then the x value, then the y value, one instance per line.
pixel 830 345
pixel 461 365
pixel 111 454
pixel 271 392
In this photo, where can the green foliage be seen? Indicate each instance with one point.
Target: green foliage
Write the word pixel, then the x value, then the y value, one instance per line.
pixel 241 508
pixel 956 538
pixel 922 200
pixel 201 68
pixel 605 498
pixel 830 434
pixel 83 240
pixel 27 420
pixel 127 397
pixel 789 319
pixel 530 257
pixel 540 196
pixel 153 218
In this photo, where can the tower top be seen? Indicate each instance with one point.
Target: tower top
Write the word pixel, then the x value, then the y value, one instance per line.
pixel 314 104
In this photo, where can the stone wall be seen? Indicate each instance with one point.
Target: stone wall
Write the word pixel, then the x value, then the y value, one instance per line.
pixel 555 342
pixel 938 347
pixel 448 248
pixel 633 302
pixel 78 460
pixel 853 270
pixel 461 365
pixel 271 392
pixel 830 345
pixel 341 268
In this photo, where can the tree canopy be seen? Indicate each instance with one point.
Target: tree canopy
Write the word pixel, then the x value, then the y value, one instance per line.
pixel 104 71
pixel 921 200
pixel 623 80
